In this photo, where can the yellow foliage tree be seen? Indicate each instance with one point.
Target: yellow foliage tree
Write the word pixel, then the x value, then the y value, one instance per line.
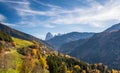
pixel 114 71
pixel 14 43
pixel 97 71
pixel 67 56
pixel 34 51
pixel 77 67
pixel 43 62
pixel 83 71
pixel 68 71
pixel 27 66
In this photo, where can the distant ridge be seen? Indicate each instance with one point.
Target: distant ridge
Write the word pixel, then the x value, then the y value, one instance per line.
pixel 102 47
pixel 113 28
pixel 58 41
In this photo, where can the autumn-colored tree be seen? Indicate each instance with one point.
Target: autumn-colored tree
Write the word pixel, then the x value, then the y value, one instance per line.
pixel 68 71
pixel 27 66
pixel 38 69
pixel 76 69
pixel 34 51
pixel 114 71
pixel 67 56
pixel 14 44
pixel 83 71
pixel 97 71
pixel 43 62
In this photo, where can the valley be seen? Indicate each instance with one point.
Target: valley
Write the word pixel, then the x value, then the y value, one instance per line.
pixel 30 56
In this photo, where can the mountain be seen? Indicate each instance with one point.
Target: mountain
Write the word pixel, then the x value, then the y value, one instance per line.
pixel 48 36
pixel 58 41
pixel 18 34
pixel 70 46
pixel 102 47
pixel 113 28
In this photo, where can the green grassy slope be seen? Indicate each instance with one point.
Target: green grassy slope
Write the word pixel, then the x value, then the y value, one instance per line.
pixel 21 43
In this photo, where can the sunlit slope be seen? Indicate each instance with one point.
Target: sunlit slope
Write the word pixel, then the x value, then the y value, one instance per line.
pixel 21 43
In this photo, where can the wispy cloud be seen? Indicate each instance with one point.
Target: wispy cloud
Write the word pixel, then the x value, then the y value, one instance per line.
pixel 96 15
pixel 53 7
pixel 9 24
pixel 48 26
pixel 14 2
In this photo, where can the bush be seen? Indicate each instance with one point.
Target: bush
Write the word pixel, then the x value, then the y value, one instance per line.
pixel 24 51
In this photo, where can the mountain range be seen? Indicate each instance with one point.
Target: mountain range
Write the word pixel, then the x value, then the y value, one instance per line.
pixel 102 47
pixel 58 41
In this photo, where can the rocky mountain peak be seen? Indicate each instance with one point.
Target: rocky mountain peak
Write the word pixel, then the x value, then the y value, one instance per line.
pixel 48 36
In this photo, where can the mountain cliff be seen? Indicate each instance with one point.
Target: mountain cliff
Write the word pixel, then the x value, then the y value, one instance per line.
pixel 48 36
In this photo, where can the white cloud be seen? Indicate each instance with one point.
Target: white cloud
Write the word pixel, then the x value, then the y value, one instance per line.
pixel 94 15
pixel 2 17
pixel 49 26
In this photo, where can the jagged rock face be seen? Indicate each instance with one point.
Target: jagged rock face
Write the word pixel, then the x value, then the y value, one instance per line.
pixel 48 36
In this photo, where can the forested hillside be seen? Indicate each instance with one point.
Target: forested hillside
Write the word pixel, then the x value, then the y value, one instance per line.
pixel 103 47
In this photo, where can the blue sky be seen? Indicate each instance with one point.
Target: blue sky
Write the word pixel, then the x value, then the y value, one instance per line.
pixel 37 17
